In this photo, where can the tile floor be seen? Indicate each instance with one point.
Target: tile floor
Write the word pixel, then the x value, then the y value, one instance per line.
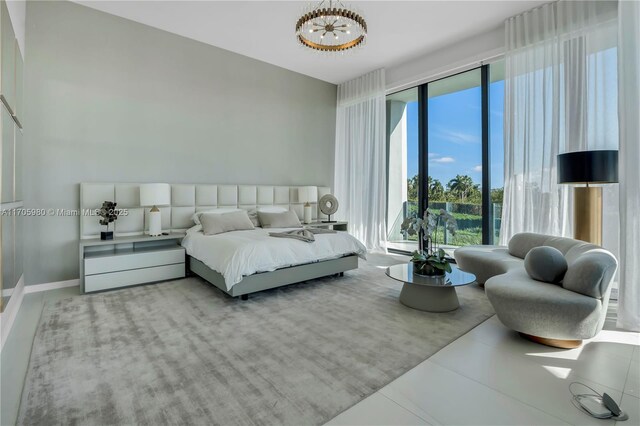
pixel 488 376
pixel 491 376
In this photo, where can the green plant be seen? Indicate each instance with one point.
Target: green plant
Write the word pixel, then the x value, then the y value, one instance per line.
pixel 436 260
pixel 430 261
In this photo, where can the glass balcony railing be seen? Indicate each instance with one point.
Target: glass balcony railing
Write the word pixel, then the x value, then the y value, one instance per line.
pixel 468 217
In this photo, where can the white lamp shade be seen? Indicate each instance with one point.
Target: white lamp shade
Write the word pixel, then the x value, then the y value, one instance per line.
pixel 155 194
pixel 308 194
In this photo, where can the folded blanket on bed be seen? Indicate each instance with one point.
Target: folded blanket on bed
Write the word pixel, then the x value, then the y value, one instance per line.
pixel 305 235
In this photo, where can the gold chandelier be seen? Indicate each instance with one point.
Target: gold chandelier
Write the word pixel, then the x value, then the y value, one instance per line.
pixel 331 27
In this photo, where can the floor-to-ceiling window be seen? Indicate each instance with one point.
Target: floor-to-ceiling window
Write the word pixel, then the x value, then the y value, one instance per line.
pixel 454 154
pixel 445 152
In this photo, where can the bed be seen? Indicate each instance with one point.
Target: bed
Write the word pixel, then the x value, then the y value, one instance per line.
pixel 187 199
pixel 244 262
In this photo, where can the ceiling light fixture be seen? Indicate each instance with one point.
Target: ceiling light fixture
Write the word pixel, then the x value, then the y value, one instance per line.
pixel 348 28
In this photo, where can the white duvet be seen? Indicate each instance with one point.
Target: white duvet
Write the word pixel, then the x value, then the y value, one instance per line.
pixel 240 253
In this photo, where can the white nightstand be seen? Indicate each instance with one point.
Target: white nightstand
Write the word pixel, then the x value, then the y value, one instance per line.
pixel 337 226
pixel 126 261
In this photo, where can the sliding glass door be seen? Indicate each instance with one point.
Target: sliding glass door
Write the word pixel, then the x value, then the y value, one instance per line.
pixel 443 154
pixel 454 154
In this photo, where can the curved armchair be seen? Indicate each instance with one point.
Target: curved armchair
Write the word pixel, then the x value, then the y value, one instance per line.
pixel 559 315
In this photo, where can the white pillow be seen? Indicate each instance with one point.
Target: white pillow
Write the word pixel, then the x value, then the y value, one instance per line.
pixel 213 223
pixel 196 215
pixel 253 214
pixel 285 219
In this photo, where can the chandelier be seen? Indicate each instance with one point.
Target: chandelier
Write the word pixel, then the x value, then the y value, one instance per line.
pixel 331 27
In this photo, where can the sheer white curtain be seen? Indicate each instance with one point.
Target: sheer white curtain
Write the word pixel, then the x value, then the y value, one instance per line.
pixel 629 167
pixel 360 158
pixel 560 96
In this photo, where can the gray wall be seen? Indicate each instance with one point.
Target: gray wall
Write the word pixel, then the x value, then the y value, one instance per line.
pixel 111 100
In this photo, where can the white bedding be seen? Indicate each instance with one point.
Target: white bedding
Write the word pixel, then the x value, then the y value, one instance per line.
pixel 240 253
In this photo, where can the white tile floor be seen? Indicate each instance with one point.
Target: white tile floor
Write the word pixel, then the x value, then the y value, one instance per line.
pixel 492 376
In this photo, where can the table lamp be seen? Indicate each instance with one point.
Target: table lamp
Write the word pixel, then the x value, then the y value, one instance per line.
pixel 585 167
pixel 307 195
pixel 154 195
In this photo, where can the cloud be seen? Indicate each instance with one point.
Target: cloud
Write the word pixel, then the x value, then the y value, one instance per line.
pixel 444 160
pixel 433 155
pixel 460 138
pixel 477 169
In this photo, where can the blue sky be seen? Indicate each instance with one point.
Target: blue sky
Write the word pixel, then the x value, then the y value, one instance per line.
pixel 455 141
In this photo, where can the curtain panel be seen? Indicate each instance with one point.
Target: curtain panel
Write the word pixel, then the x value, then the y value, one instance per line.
pixel 629 167
pixel 560 96
pixel 360 158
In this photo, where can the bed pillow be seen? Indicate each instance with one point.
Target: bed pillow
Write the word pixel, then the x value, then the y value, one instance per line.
pixel 196 216
pixel 213 223
pixel 286 219
pixel 253 214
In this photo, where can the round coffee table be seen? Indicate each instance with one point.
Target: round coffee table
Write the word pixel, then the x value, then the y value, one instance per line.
pixel 426 293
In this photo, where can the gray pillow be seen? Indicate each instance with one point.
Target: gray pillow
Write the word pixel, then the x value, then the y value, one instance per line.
pixel 213 223
pixel 287 219
pixel 253 214
pixel 196 216
pixel 546 264
pixel 591 274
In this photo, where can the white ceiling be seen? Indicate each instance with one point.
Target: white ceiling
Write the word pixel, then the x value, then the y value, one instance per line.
pixel 398 30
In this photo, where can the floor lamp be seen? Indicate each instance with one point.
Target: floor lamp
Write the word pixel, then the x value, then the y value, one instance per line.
pixel 588 167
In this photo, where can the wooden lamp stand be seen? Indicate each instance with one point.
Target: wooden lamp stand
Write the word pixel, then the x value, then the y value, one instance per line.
pixel 587 214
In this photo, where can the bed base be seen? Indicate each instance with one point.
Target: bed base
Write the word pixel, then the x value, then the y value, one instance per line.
pixel 277 278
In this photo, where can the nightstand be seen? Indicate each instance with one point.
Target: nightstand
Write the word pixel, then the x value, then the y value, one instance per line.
pixel 336 226
pixel 127 261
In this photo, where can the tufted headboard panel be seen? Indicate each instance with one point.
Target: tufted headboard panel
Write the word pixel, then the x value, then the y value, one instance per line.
pixel 186 199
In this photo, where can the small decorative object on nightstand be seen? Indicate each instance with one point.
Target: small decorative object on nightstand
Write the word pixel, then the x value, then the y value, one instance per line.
pixel 307 195
pixel 328 205
pixel 154 195
pixel 109 214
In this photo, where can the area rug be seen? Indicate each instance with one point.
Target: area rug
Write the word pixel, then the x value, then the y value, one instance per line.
pixel 182 352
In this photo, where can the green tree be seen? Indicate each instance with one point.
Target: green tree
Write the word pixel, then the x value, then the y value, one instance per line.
pixel 462 187
pixel 435 190
pixel 497 195
pixel 412 189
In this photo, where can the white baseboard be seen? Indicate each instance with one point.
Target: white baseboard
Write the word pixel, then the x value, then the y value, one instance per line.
pixel 51 286
pixel 11 311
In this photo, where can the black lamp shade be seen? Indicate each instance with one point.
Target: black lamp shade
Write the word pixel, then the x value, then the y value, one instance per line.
pixel 588 166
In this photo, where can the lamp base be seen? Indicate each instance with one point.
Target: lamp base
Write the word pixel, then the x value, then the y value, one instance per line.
pixel 307 213
pixel 155 222
pixel 587 214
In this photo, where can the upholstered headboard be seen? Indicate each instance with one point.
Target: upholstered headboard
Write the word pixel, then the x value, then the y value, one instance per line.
pixel 186 199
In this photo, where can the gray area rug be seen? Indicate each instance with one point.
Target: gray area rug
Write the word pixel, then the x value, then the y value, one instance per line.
pixel 182 352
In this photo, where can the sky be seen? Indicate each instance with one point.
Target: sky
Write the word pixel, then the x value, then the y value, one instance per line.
pixel 455 135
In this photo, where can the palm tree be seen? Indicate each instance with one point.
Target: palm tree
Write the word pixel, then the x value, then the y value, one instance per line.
pixel 412 189
pixel 435 188
pixel 461 186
